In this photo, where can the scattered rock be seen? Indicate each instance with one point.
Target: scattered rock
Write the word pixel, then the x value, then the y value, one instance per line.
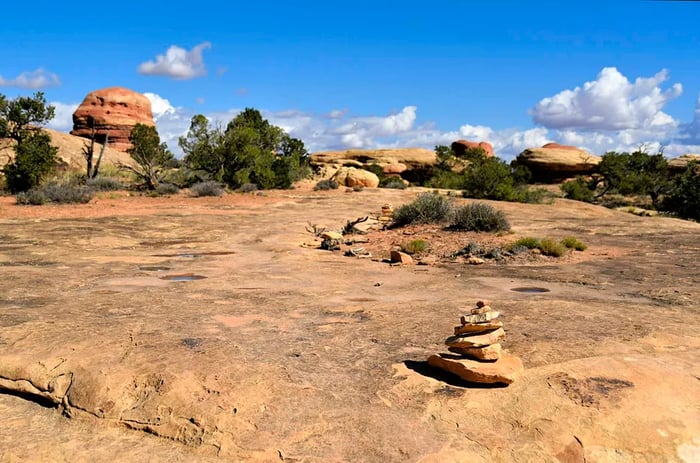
pixel 114 112
pixel 482 303
pixel 331 235
pixel 401 258
pixel 475 260
pixel 480 310
pixel 678 165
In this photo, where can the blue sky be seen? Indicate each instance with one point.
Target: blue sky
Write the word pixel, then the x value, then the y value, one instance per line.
pixel 367 74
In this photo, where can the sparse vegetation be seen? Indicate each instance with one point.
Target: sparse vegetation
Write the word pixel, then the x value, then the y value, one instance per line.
pixel 166 189
pixel 572 243
pixel 248 188
pixel 326 184
pixel 210 188
pixel 528 242
pixel 151 156
pixel 684 195
pixel 392 182
pixel 104 184
pixel 480 217
pixel 578 190
pixel 56 192
pixel 550 247
pixel 429 207
pixel 415 247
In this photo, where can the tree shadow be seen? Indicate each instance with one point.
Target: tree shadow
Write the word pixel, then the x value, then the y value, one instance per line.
pixel 423 368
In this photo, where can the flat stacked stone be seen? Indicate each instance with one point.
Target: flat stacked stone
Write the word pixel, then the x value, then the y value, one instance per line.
pixel 476 353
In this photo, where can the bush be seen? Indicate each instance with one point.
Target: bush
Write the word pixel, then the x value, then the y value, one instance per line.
pixel 550 247
pixel 572 243
pixel 326 184
pixel 104 184
pixel 479 217
pixel 33 197
pixel 426 208
pixel 248 188
pixel 527 242
pixel 166 189
pixel 206 189
pixel 415 246
pixel 392 182
pixel 684 196
pixel 578 190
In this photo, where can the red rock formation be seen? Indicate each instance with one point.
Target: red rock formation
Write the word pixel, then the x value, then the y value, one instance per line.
pixel 460 146
pixel 554 163
pixel 115 111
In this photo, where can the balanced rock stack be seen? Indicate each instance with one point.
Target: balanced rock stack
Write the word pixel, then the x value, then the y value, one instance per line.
pixel 476 354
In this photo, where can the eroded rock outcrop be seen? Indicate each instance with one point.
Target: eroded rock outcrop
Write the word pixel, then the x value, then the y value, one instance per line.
pixel 678 165
pixel 350 176
pixel 554 162
pixel 114 112
pixel 460 146
pixel 407 163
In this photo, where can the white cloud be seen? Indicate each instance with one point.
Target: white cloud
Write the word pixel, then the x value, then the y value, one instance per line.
pixel 611 102
pixel 177 63
pixel 37 79
pixel 63 118
pixel 690 132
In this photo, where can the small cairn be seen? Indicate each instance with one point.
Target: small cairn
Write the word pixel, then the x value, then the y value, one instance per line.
pixel 387 214
pixel 476 355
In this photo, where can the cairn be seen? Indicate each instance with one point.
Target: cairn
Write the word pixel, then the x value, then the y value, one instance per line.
pixel 475 350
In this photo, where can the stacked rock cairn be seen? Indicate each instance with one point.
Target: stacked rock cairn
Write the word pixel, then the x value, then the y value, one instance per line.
pixel 476 355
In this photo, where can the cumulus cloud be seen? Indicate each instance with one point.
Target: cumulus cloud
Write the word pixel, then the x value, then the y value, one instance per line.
pixel 37 79
pixel 611 102
pixel 63 118
pixel 177 63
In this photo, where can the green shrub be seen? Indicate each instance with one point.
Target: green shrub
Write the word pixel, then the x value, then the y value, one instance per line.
pixel 166 189
pixel 66 193
pixel 550 247
pixel 33 197
pixel 392 182
pixel 479 217
pixel 206 189
pixel 326 184
pixel 572 243
pixel 528 242
pixel 415 246
pixel 426 208
pixel 578 190
pixel 104 184
pixel 684 196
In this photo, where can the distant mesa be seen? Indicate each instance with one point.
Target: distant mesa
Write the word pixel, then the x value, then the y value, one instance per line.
pixel 459 147
pixel 114 112
pixel 553 162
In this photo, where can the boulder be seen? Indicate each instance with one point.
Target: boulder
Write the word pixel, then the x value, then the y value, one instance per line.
pixel 461 146
pixel 398 257
pixel 553 163
pixel 678 165
pixel 351 176
pixel 114 112
pixel 502 371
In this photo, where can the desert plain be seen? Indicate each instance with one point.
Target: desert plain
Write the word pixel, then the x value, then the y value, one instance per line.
pixel 213 329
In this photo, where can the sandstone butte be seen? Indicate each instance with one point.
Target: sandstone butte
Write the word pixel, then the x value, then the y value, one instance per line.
pixel 554 162
pixel 69 151
pixel 115 111
pixel 460 146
